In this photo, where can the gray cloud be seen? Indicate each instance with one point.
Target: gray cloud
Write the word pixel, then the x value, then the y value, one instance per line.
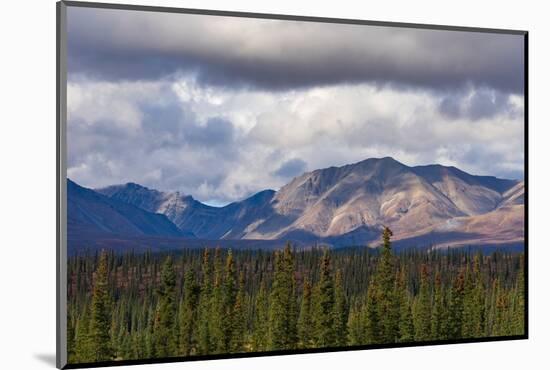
pixel 216 132
pixel 278 55
pixel 291 168
pixel 117 134
pixel 221 147
pixel 221 107
pixel 478 104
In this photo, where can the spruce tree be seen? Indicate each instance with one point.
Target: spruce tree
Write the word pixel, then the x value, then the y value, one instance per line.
pixel 340 311
pixel 502 324
pixel 491 300
pixel 356 324
pixel 204 345
pixel 261 320
pixel 406 324
pixel 100 320
pixel 468 317
pixel 518 324
pixel 239 330
pixel 149 334
pixel 119 329
pixel 473 320
pixel 165 321
pixel 439 311
pixel 216 306
pixel 126 347
pixel 136 346
pixel 292 305
pixel 228 304
pixel 188 316
pixel 325 334
pixel 306 319
pixel 388 305
pixel 372 320
pixel 83 350
pixel 456 308
pixel 282 311
pixel 423 308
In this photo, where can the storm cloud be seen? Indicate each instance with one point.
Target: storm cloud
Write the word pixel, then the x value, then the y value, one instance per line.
pixel 277 55
pixel 223 107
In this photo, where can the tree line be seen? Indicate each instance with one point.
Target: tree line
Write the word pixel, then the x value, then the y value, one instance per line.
pixel 200 302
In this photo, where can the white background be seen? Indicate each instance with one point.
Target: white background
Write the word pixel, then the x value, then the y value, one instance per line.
pixel 27 168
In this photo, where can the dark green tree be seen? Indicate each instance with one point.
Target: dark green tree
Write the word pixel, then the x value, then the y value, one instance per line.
pixel 149 337
pixel 228 304
pixel 100 320
pixel 189 315
pixel 325 334
pixel 306 320
pixel 340 311
pixel 439 310
pixel 239 332
pixel 83 350
pixel 282 311
pixel 456 308
pixel 423 308
pixel 372 319
pixel 502 325
pixel 387 302
pixel 217 307
pixel 165 334
pixel 518 324
pixel 406 324
pixel 260 337
pixel 356 324
pixel 204 345
pixel 473 320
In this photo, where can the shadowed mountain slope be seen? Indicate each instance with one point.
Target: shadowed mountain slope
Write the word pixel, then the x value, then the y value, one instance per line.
pixel 92 214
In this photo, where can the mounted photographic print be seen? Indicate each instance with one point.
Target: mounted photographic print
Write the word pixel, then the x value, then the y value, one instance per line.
pixel 237 184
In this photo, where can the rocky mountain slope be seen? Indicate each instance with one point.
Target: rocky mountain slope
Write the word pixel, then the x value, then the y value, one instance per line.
pixel 348 205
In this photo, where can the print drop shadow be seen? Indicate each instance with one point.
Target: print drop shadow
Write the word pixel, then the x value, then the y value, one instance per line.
pixel 47 358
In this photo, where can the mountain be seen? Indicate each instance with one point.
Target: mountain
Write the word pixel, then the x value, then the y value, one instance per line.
pixel 338 200
pixel 345 205
pixel 204 221
pixel 473 195
pixel 514 195
pixel 91 215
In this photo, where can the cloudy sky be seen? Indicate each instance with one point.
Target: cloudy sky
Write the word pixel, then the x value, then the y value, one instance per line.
pixel 222 107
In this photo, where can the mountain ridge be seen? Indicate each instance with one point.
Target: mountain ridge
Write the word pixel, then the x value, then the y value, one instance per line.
pixel 91 215
pixel 350 202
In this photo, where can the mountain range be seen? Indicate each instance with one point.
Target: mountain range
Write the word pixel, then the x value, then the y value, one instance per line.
pixel 339 206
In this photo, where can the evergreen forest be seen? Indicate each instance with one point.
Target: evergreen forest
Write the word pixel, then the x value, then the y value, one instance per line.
pixel 219 301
